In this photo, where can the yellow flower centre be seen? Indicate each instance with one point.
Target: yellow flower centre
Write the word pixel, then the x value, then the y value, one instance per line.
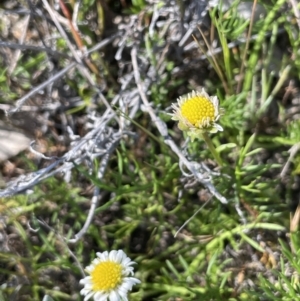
pixel 106 276
pixel 198 110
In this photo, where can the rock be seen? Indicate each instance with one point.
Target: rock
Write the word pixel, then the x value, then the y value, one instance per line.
pixel 12 142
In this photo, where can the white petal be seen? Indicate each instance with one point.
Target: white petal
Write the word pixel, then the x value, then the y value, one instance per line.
pixel 122 291
pixel 90 268
pixel 218 127
pixel 88 287
pixel 128 271
pixel 86 280
pixel 123 295
pixel 87 297
pixel 127 261
pixel 100 296
pixel 120 256
pixel 84 291
pixel 128 283
pixel 114 296
pixel 102 256
pixel 215 102
pixel 112 255
pixel 135 280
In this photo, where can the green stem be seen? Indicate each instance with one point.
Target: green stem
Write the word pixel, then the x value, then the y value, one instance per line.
pixel 212 148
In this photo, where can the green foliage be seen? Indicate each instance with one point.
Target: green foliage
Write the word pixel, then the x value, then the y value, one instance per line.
pixel 43 257
pixel 6 94
pixel 145 198
pixel 285 285
pixel 137 6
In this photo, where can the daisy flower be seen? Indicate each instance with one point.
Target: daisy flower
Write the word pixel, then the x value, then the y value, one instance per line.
pixel 108 279
pixel 197 113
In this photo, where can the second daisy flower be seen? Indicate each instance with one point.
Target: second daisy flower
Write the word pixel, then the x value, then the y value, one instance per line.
pixel 197 113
